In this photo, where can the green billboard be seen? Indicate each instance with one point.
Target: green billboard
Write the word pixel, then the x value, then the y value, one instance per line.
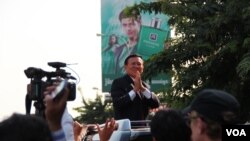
pixel 124 34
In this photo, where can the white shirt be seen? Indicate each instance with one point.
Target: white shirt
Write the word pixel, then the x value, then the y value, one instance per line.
pixel 67 123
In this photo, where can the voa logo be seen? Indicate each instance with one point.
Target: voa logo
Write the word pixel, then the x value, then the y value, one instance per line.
pixel 236 132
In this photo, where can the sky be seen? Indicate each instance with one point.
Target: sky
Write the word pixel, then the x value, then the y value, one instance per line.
pixel 35 32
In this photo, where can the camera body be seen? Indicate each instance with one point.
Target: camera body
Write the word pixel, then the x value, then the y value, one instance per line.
pixel 38 85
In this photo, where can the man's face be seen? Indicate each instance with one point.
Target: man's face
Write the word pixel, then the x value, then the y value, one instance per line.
pixel 135 65
pixel 113 40
pixel 197 126
pixel 130 27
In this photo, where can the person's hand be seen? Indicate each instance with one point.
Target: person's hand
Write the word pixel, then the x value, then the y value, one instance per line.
pixel 54 107
pixel 106 132
pixel 79 131
pixel 138 83
pixel 137 80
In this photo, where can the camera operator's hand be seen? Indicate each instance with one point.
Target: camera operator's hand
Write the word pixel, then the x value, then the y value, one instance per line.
pixel 54 107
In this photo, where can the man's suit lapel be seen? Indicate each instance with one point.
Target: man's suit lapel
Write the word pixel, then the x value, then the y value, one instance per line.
pixel 129 79
pixel 127 83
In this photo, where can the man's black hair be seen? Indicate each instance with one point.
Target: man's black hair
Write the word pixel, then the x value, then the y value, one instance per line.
pixel 20 127
pixel 170 125
pixel 131 56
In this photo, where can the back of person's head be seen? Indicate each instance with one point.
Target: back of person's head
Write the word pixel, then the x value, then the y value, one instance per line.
pixel 169 125
pixel 215 105
pixel 24 128
pixel 131 56
pixel 215 108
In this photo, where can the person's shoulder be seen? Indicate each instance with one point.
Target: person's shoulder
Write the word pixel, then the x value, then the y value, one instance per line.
pixel 122 78
pixel 119 78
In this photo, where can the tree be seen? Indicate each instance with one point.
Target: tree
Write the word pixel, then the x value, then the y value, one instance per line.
pixel 211 48
pixel 95 111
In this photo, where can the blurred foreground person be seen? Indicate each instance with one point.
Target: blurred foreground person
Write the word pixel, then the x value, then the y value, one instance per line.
pixel 209 110
pixel 169 125
pixel 20 127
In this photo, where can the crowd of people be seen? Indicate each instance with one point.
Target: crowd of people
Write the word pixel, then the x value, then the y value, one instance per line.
pixel 202 120
pixel 132 99
pixel 56 126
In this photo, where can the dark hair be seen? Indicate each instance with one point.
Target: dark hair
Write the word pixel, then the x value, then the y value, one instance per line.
pixel 110 37
pixel 128 13
pixel 24 128
pixel 216 105
pixel 131 56
pixel 215 108
pixel 170 125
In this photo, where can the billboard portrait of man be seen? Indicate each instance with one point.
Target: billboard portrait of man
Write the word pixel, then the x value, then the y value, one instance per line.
pixel 128 33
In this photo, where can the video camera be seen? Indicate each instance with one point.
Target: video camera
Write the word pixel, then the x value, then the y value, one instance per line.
pixel 37 85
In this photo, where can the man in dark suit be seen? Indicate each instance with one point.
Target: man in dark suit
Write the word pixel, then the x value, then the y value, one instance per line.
pixel 131 96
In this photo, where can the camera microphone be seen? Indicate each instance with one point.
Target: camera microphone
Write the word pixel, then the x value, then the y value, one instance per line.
pixel 57 65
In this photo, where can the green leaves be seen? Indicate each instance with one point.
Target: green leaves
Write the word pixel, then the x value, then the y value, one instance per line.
pixel 94 111
pixel 246 43
pixel 211 51
pixel 243 68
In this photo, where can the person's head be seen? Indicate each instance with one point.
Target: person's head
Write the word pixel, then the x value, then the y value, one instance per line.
pixel 169 125
pixel 131 23
pixel 208 111
pixel 24 128
pixel 133 64
pixel 113 39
